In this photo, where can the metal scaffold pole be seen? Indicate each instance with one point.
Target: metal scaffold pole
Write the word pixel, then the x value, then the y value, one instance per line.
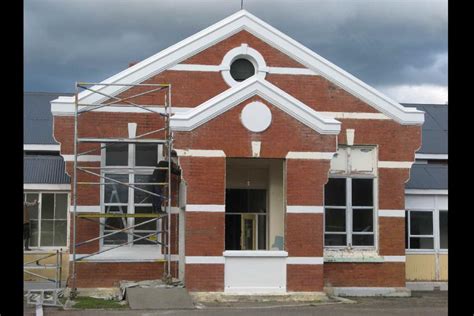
pixel 106 180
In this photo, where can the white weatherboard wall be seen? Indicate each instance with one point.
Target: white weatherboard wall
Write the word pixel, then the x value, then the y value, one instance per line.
pixel 252 272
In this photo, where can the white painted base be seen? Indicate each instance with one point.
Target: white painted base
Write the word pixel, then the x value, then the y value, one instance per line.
pixel 427 286
pixel 369 291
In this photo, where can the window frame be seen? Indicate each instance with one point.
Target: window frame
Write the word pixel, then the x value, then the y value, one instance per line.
pixel 38 247
pixel 349 213
pixel 436 231
pixel 131 170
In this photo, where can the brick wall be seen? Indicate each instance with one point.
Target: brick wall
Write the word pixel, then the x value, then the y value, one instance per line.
pixel 364 274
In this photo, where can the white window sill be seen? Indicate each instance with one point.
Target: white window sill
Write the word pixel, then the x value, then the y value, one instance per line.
pixel 137 253
pixel 255 253
pixel 351 255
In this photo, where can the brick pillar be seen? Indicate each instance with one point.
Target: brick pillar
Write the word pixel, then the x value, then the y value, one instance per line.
pixel 305 180
pixel 392 228
pixel 204 222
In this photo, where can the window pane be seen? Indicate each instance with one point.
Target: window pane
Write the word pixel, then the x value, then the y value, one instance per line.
pixel 141 197
pixel 47 231
pixel 47 206
pixel 150 240
pixel 116 155
pixel 61 206
pixel 246 201
pixel 362 220
pixel 262 232
pixel 362 192
pixel 335 192
pixel 362 240
pixel 335 220
pixel 421 243
pixel 115 192
pixel 421 223
pixel 334 240
pixel 33 210
pixel 34 233
pixel 443 229
pixel 115 224
pixel 144 210
pixel 146 155
pixel 406 230
pixel 60 232
pixel 232 232
pixel 241 69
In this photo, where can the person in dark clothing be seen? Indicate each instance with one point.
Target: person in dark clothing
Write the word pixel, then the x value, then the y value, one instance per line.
pixel 160 176
pixel 26 223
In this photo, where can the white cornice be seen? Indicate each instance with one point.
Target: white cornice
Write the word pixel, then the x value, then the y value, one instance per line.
pixel 243 20
pixel 221 103
pixel 40 147
pixel 432 156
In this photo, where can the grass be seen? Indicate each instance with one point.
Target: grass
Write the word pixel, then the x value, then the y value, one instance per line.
pixel 84 302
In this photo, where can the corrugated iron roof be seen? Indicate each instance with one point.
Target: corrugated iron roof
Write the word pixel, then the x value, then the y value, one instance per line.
pixel 37 117
pixel 428 176
pixel 44 169
pixel 435 128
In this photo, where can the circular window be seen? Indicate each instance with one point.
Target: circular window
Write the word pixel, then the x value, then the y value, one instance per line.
pixel 241 69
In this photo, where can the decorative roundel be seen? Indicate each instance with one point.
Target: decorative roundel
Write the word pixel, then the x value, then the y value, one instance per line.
pixel 256 117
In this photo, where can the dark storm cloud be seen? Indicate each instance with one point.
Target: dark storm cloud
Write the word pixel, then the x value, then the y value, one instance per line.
pixel 384 43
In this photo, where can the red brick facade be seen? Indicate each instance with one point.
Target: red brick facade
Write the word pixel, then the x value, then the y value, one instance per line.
pixel 206 176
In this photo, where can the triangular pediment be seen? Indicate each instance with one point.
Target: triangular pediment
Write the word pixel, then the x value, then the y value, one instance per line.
pixel 234 96
pixel 233 24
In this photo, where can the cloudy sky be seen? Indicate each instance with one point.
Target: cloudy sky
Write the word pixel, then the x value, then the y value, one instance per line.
pixel 396 46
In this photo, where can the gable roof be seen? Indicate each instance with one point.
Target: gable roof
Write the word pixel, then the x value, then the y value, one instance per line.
pixel 226 100
pixel 243 20
pixel 435 129
pixel 37 118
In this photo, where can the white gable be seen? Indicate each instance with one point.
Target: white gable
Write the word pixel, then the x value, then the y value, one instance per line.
pixel 235 23
pixel 254 86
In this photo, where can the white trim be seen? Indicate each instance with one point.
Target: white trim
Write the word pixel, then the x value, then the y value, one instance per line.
pixel 245 52
pixel 40 147
pixel 196 67
pixel 306 209
pixel 85 208
pixel 255 253
pixel 270 70
pixel 432 156
pixel 292 71
pixel 46 187
pixel 67 109
pixel 204 260
pixel 391 213
pixel 395 164
pixel 239 93
pixel 243 20
pixel 205 208
pixel 313 155
pixel 426 191
pixel 127 254
pixel 394 258
pixel 199 153
pixel 84 158
pixel 305 260
pixel 356 115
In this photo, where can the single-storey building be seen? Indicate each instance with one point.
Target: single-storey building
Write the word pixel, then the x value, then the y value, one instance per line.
pixel 292 179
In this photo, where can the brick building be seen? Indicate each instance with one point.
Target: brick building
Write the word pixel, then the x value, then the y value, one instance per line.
pixel 293 171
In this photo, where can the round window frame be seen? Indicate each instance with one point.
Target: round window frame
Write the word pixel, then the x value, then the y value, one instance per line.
pixel 247 53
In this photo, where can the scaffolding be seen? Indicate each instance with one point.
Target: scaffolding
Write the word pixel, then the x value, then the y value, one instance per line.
pixel 162 112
